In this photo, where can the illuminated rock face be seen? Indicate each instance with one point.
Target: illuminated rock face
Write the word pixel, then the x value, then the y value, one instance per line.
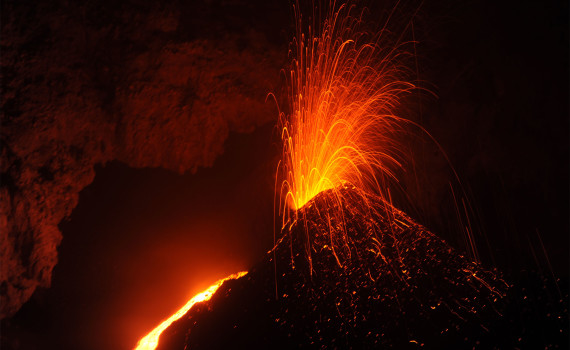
pixel 418 292
pixel 114 83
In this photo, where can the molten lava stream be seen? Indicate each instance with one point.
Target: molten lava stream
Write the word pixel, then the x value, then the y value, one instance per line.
pixel 150 341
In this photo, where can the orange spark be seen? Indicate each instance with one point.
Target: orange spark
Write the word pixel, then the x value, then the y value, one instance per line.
pixel 150 341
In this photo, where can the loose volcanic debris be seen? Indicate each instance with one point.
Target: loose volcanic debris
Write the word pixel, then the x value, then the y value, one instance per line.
pixel 393 285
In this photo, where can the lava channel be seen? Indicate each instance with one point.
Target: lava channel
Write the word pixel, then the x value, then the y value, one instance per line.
pixel 150 341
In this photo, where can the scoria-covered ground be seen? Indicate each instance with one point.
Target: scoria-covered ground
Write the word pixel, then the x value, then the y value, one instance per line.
pixel 389 283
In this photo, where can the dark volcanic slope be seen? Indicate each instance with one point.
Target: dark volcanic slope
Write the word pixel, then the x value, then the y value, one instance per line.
pixel 395 284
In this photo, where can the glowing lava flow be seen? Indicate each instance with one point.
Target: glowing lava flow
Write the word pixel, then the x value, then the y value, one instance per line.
pixel 150 341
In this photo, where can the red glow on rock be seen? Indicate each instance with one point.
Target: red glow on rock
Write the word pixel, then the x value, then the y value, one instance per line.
pixel 150 341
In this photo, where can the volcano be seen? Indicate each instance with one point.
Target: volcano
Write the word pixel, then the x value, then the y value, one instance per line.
pixel 394 284
pixel 136 167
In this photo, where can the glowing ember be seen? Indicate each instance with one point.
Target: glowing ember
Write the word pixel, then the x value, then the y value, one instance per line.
pixel 150 341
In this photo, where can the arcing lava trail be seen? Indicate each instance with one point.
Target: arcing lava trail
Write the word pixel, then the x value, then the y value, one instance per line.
pixel 344 87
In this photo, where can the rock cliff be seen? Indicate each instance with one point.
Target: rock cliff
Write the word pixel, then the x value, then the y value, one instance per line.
pixel 88 83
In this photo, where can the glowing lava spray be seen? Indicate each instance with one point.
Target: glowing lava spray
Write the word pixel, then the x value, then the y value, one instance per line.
pixel 344 88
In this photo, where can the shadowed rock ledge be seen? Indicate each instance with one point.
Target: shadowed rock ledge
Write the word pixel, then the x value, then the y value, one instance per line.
pixel 151 85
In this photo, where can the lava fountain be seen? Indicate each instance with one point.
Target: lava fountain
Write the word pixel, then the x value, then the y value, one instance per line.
pixel 344 88
pixel 345 85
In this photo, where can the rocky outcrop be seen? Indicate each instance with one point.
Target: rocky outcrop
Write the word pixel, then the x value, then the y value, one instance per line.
pixel 88 83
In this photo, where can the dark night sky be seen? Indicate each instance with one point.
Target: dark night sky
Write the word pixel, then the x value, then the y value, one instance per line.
pixel 142 241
